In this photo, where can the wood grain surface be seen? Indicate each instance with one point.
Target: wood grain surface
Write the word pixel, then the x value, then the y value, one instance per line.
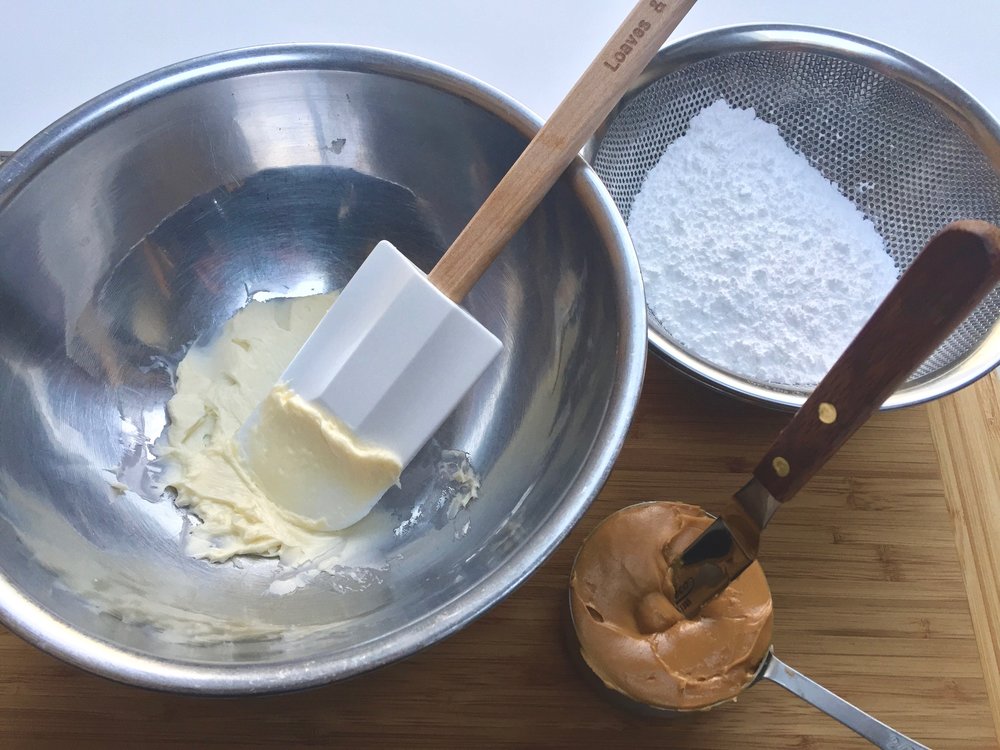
pixel 869 592
pixel 966 430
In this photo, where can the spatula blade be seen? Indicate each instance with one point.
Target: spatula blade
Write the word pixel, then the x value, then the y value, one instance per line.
pixel 723 550
pixel 390 360
pixel 707 566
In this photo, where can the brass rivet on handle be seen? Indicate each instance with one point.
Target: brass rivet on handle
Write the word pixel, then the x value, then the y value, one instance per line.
pixel 781 467
pixel 827 413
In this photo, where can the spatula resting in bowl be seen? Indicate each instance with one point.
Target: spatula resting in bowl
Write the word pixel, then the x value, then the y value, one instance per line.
pixel 396 353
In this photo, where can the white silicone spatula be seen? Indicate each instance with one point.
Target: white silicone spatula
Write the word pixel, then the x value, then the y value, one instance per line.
pixel 396 353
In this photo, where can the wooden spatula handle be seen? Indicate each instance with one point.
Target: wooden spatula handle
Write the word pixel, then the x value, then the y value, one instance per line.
pixel 959 266
pixel 556 144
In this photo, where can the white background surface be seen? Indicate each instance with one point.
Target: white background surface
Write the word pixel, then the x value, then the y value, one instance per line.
pixel 56 54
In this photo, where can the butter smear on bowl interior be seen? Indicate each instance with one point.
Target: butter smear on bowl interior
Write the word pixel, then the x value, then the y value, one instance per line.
pixel 218 388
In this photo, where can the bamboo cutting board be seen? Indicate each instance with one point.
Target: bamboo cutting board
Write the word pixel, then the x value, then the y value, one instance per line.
pixel 883 576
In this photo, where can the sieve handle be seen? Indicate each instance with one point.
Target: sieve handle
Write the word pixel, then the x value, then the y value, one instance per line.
pixel 959 266
pixel 556 144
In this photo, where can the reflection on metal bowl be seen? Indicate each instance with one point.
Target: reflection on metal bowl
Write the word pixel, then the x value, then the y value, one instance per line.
pixel 142 221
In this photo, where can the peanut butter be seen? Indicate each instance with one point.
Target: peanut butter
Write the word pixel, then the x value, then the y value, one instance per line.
pixel 634 638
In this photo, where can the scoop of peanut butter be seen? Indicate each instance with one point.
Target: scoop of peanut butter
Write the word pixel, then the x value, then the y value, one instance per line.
pixel 634 638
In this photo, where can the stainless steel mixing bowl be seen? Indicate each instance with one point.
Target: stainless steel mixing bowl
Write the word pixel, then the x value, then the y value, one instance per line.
pixel 911 149
pixel 143 220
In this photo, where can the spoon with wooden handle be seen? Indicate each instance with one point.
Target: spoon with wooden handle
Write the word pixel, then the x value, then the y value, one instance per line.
pixel 956 269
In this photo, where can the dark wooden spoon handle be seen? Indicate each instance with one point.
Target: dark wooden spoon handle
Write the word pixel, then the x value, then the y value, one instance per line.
pixel 959 266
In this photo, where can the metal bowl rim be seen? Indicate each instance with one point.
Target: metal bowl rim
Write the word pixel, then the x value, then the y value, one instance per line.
pixel 48 632
pixel 952 100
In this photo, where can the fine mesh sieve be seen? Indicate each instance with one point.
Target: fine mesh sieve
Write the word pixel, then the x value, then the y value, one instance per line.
pixel 908 147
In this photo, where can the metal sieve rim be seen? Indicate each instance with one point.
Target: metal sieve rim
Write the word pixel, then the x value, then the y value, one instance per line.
pixel 950 99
